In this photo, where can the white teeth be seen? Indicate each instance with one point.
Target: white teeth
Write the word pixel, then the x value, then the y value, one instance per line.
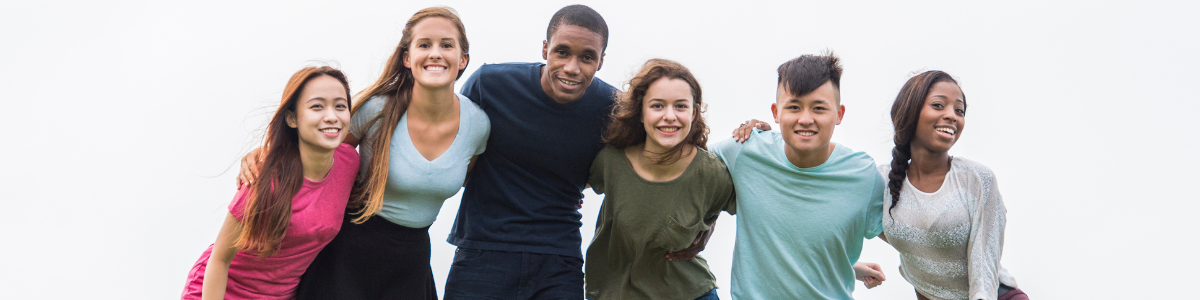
pixel 330 130
pixel 568 82
pixel 668 129
pixel 808 133
pixel 435 68
pixel 946 130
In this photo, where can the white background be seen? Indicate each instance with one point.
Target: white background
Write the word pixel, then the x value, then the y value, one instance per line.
pixel 128 118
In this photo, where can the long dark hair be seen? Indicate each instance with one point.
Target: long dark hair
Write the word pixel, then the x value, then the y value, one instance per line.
pixel 396 84
pixel 906 111
pixel 268 207
pixel 626 127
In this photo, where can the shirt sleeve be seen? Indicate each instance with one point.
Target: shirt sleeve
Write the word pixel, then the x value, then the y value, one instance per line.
pixel 987 239
pixel 237 207
pixel 365 113
pixel 727 150
pixel 873 222
pixel 596 174
pixel 484 124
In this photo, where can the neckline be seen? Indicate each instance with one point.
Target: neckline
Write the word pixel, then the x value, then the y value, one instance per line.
pixel 686 171
pixel 412 146
pixel 942 187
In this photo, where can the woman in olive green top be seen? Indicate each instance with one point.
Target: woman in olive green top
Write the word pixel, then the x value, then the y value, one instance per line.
pixel 662 189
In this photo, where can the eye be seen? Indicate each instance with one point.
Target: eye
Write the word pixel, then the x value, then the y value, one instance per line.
pixel 938 106
pixel 681 106
pixel 341 106
pixel 793 107
pixel 656 105
pixel 587 58
pixel 448 46
pixel 316 106
pixel 560 52
pixel 961 112
pixel 820 108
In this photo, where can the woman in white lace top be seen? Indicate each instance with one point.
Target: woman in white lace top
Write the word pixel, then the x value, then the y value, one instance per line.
pixel 948 223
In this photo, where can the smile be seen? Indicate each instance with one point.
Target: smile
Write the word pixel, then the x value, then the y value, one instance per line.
pixel 668 129
pixel 435 68
pixel 947 130
pixel 806 133
pixel 330 130
pixel 568 82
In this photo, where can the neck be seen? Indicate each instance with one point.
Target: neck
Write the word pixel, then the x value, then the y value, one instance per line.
pixel 317 162
pixel 927 163
pixel 647 158
pixel 809 159
pixel 432 104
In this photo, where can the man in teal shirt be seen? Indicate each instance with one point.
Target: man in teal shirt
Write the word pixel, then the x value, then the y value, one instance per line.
pixel 805 204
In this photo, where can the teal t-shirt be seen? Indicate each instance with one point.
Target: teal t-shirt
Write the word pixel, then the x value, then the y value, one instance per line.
pixel 799 230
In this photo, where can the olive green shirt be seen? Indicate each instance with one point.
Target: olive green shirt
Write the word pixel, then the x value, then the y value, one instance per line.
pixel 641 220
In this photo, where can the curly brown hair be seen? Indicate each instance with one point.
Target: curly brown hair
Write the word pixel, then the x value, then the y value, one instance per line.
pixel 626 128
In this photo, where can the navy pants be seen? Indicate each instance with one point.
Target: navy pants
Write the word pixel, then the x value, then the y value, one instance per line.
pixel 485 274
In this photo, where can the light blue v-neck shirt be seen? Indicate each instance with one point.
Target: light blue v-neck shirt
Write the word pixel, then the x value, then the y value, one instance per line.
pixel 799 230
pixel 416 187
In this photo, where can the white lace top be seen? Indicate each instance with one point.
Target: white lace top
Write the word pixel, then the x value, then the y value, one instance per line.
pixel 950 241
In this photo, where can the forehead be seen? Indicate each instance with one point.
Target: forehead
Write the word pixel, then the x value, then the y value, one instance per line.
pixel 576 37
pixel 946 89
pixel 667 88
pixel 434 28
pixel 323 86
pixel 824 93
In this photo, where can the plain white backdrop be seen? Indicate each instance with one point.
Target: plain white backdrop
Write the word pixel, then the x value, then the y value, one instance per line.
pixel 129 118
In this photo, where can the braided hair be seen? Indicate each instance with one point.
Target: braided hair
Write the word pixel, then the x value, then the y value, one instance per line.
pixel 906 111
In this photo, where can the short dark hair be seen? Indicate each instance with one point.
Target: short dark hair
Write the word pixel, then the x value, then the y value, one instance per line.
pixel 582 16
pixel 808 72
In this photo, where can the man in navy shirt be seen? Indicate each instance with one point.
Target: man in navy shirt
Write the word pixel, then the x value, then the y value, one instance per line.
pixel 517 229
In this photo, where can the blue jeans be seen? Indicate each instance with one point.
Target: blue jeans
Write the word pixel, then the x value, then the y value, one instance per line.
pixel 486 274
pixel 710 295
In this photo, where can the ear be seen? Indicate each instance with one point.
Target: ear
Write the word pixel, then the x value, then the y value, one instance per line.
pixel 462 62
pixel 404 58
pixel 775 112
pixel 291 119
pixel 841 112
pixel 600 62
pixel 545 49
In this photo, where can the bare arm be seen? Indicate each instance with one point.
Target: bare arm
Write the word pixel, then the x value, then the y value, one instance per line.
pixel 216 273
pixel 869 273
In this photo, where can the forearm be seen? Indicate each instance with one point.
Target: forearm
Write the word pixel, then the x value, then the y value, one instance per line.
pixel 216 275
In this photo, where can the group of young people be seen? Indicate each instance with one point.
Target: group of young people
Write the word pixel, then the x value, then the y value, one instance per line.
pixel 314 219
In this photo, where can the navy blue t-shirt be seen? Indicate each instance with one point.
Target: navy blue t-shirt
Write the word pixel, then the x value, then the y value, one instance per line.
pixel 524 192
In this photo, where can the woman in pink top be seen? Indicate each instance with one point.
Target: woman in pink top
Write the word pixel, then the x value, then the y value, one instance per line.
pixel 273 231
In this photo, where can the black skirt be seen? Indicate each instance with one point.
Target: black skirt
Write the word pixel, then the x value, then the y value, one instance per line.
pixel 374 260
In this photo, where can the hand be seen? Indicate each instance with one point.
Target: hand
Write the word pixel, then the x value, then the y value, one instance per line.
pixel 249 169
pixel 743 132
pixel 581 203
pixel 869 273
pixel 697 246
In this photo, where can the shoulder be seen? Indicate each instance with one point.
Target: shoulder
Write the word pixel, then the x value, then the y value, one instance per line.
pixel 974 170
pixel 472 109
pixel 507 69
pixel 609 152
pixel 709 160
pixel 346 153
pixel 373 104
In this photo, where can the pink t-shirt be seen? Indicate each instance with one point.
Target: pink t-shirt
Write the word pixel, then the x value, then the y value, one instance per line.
pixel 317 212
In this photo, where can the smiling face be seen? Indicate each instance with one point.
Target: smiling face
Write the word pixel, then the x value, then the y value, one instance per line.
pixel 667 112
pixel 573 55
pixel 435 55
pixel 807 121
pixel 942 118
pixel 322 113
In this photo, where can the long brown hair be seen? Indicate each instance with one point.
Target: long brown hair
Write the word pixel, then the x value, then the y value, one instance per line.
pixel 626 127
pixel 395 85
pixel 268 207
pixel 906 111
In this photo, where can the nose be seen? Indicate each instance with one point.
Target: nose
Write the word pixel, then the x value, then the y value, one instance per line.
pixel 805 119
pixel 330 116
pixel 670 116
pixel 571 67
pixel 950 116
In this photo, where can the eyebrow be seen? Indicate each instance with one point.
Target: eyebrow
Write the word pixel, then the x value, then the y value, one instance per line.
pixel 589 51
